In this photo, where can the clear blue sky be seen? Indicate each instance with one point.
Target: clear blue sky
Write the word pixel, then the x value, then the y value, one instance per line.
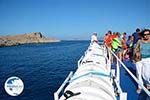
pixel 73 19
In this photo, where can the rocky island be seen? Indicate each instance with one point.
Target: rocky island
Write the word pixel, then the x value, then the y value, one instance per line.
pixel 35 37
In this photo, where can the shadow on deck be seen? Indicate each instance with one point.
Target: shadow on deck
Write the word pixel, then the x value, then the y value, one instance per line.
pixel 128 84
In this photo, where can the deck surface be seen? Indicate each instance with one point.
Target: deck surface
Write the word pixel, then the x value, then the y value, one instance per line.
pixel 127 83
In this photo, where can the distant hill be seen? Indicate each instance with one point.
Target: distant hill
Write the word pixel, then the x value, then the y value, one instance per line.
pixel 35 37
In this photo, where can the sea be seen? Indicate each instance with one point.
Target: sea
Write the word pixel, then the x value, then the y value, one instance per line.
pixel 41 67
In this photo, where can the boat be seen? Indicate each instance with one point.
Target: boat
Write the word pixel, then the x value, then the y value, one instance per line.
pixel 96 78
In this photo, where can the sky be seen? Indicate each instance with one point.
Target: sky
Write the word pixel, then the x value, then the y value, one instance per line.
pixel 73 19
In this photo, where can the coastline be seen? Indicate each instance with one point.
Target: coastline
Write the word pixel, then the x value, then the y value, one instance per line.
pixel 35 37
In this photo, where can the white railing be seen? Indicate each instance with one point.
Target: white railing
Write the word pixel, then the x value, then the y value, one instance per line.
pixel 130 73
pixel 56 94
pixel 79 61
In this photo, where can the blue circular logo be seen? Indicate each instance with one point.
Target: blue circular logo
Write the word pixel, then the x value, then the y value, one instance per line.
pixel 14 86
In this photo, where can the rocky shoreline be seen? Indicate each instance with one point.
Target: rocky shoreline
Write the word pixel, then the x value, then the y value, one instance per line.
pixel 35 37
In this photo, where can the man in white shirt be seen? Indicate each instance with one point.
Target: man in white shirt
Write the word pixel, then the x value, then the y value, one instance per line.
pixel 94 38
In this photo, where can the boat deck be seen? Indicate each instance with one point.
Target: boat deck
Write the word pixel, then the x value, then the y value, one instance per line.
pixel 123 78
pixel 127 83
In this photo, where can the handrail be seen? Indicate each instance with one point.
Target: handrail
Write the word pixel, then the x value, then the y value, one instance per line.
pixel 118 72
pixel 119 88
pixel 130 73
pixel 56 94
pixel 79 61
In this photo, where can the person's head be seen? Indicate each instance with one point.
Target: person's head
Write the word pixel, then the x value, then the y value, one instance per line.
pixel 124 33
pixel 109 32
pixel 137 30
pixel 95 33
pixel 130 37
pixel 114 33
pixel 145 34
pixel 117 34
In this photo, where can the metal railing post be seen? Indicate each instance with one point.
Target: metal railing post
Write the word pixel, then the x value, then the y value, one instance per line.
pixel 118 72
pixel 56 96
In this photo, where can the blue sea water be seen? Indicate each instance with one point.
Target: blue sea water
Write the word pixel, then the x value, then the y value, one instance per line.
pixel 42 67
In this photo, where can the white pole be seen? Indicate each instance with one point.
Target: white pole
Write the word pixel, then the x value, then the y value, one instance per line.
pixel 56 96
pixel 118 72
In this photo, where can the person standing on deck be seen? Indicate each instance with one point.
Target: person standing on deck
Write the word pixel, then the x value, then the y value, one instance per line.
pixel 130 47
pixel 136 37
pixel 123 35
pixel 94 38
pixel 116 45
pixel 105 38
pixel 142 58
pixel 108 39
pixel 124 47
